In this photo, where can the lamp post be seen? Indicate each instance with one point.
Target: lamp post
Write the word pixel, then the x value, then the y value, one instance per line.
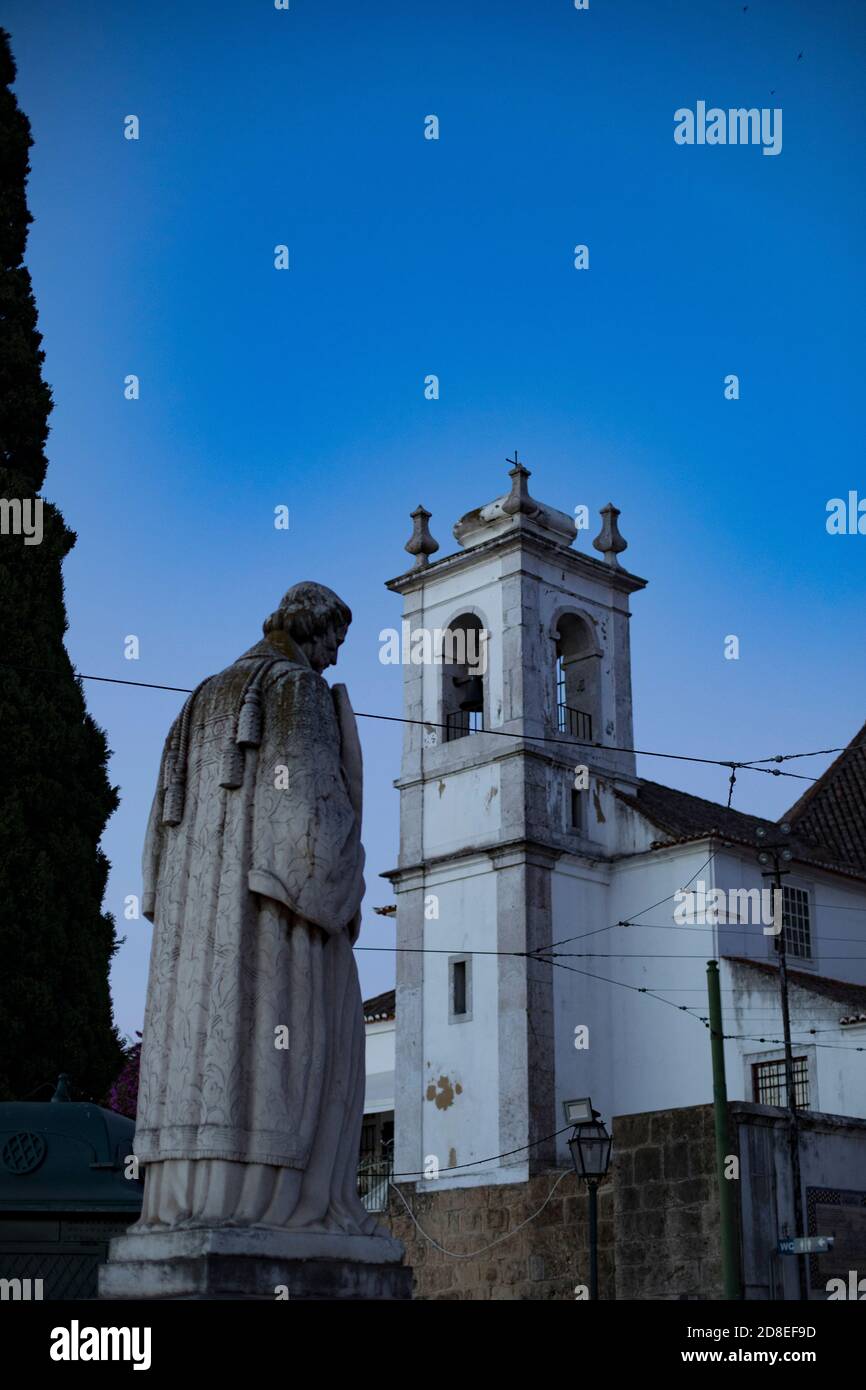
pixel 590 1146
pixel 777 852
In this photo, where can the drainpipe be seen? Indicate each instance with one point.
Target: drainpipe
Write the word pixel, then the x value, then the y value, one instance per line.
pixel 730 1257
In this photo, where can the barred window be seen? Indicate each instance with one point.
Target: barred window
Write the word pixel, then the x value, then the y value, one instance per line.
pixel 796 923
pixel 771 1087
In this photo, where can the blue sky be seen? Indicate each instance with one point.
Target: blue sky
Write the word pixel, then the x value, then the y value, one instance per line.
pixel 454 257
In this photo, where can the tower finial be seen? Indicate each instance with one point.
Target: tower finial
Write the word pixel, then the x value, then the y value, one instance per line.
pixel 519 500
pixel 421 544
pixel 609 541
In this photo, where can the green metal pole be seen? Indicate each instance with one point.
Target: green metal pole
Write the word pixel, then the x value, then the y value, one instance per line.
pixel 730 1260
pixel 593 1238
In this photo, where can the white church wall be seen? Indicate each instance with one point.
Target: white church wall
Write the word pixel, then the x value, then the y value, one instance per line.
pixel 461 809
pixel 583 1010
pixel 752 1015
pixel 660 1055
pixel 608 824
pixel 837 914
pixel 738 869
pixel 663 1060
pixel 460 1110
pixel 632 834
pixel 839 918
pixel 842 1074
pixel 642 1054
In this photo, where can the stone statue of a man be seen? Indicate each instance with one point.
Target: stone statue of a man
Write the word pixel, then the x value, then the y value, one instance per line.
pixel 252 1064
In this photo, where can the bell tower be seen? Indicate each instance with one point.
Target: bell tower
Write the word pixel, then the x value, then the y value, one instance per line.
pixel 517 693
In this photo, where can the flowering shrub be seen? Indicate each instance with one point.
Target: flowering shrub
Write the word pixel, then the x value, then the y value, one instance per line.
pixel 123 1096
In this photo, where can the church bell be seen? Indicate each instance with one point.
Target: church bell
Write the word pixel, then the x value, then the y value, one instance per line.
pixel 472 697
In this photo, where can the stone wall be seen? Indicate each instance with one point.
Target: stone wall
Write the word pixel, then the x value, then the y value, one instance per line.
pixel 667 1241
pixel 546 1259
pixel 658 1223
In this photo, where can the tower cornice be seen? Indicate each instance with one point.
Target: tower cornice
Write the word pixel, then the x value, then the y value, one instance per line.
pixel 503 853
pixel 523 537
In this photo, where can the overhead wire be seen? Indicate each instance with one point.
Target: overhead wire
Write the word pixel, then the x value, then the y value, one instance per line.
pixel 549 953
pixel 752 764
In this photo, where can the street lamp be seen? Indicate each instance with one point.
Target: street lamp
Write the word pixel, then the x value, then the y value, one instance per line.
pixel 781 850
pixel 590 1146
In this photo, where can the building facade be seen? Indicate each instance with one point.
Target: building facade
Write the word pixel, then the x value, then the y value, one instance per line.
pixel 548 948
pixel 376 1160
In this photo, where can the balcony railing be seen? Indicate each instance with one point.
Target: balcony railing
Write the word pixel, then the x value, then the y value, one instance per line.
pixel 575 722
pixel 460 722
pixel 374 1179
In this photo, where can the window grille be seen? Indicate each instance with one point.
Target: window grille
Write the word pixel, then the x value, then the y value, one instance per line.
pixel 796 923
pixel 771 1087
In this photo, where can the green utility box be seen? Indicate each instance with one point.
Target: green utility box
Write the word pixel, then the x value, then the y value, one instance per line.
pixel 63 1195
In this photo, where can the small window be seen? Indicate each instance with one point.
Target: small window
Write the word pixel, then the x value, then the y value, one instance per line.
pixel 796 923
pixel 576 810
pixel 771 1086
pixel 459 989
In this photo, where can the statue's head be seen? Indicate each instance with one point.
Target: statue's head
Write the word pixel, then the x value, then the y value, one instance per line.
pixel 315 618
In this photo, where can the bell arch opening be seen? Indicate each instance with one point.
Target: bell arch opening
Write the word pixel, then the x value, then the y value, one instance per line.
pixel 463 670
pixel 578 679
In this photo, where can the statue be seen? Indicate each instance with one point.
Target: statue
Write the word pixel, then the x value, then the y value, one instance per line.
pixel 252 1066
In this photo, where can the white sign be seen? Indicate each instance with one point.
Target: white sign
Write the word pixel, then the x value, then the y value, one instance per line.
pixel 806 1245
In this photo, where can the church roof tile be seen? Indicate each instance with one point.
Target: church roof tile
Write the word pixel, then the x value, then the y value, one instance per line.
pixel 828 822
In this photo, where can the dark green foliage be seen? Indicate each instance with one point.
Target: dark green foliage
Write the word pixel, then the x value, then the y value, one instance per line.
pixel 56 943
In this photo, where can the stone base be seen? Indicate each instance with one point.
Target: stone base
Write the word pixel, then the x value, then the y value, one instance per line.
pixel 254 1263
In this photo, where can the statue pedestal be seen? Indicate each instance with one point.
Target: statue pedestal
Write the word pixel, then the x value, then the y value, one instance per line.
pixel 254 1263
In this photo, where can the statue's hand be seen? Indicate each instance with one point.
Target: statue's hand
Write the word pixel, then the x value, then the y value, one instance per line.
pixel 351 747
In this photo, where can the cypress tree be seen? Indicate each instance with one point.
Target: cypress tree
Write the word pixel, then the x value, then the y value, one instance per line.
pixel 56 942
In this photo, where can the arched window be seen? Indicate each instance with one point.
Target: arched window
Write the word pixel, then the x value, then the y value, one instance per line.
pixel 463 667
pixel 578 683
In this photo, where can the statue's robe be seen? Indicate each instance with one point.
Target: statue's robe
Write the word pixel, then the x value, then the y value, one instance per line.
pixel 255 898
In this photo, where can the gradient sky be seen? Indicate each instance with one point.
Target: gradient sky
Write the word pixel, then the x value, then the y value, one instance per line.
pixel 454 257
